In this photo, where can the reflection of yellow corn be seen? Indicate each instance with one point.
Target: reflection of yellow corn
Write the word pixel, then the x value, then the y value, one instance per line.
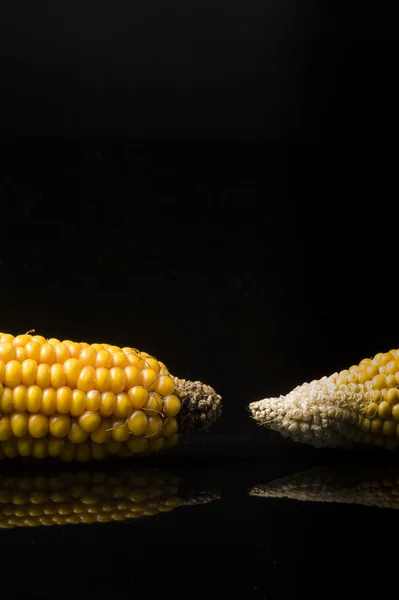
pixel 350 485
pixel 80 401
pixel 86 497
pixel 358 405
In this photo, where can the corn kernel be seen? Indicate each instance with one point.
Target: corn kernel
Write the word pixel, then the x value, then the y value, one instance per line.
pixel 28 372
pixel 108 402
pixel 57 375
pixel 154 426
pixel 138 396
pixel 43 375
pixel 104 359
pixel 20 398
pixel 89 421
pixel 384 410
pixel 103 432
pixel 103 379
pixel 55 446
pixel 20 354
pixel 49 401
pixel 24 445
pixel 120 431
pixel 19 424
pixel 389 427
pixel 5 428
pixel 59 425
pixel 172 405
pixel 86 379
pixel 148 378
pixel 371 410
pixel 38 426
pixel 117 377
pixel 376 425
pixel 391 381
pixel 156 444
pixel 47 354
pixel 34 398
pixel 33 350
pixel 170 427
pixel 78 403
pixel 393 396
pixel 62 353
pixel 7 352
pixel 98 451
pixel 88 356
pixel 82 452
pixel 6 401
pixel 2 371
pixel 76 434
pixel 93 400
pixel 137 445
pixel 138 422
pixel 64 400
pixel 395 412
pixel 13 374
pixel 123 407
pixel 72 370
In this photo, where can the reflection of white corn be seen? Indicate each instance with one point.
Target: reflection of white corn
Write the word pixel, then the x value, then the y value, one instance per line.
pixel 348 486
pixel 359 405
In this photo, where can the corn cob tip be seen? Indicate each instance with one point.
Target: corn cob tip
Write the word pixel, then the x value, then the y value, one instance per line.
pixel 201 405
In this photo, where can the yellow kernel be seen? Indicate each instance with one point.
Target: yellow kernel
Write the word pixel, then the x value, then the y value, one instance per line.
pixel 6 401
pixel 2 371
pixel 386 358
pixel 33 350
pixel 132 376
pixel 119 360
pixel 64 400
pixel 172 441
pixel 20 398
pixel 72 370
pixel 156 444
pixel 53 341
pixel 120 431
pixel 20 354
pixel 5 428
pixel 43 375
pixel 97 346
pixel 62 353
pixel 376 425
pixel 137 445
pixel 154 427
pixel 49 401
pixel 59 425
pixel 7 352
pixel 108 402
pixel 104 359
pixel 21 340
pixel 76 434
pixel 117 376
pixel 98 451
pixel 362 376
pixel 34 398
pixel 88 356
pixel 165 385
pixel 28 371
pixel 57 376
pixel 39 339
pixel 172 405
pixel 123 406
pixel 24 445
pixel 384 393
pixel 378 382
pixel 55 446
pixel 138 396
pixel 47 354
pixel 154 403
pixel 170 427
pixel 102 433
pixel 389 427
pixel 372 371
pixel 392 367
pixel 93 400
pixel 138 422
pixel 13 374
pixel 82 452
pixel 148 378
pixel 393 396
pixel 38 425
pixel 89 421
pixel 74 348
pixel 395 412
pixel 384 410
pixel 19 424
pixel 40 448
pixel 78 403
pixel 135 360
pixel 103 379
pixel 86 378
pixel 391 381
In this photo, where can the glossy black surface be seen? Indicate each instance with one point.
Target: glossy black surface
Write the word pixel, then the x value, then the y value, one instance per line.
pixel 222 195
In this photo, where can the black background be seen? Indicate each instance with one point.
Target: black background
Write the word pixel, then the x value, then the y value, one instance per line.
pixel 214 183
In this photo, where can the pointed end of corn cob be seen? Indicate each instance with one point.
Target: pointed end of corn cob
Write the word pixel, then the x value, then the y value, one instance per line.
pixel 201 405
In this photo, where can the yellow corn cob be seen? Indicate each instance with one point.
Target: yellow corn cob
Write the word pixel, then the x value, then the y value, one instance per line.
pixel 356 406
pixel 34 499
pixel 90 401
pixel 349 485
